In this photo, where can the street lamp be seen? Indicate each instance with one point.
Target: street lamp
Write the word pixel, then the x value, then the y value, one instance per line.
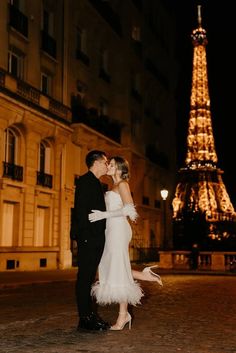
pixel 164 195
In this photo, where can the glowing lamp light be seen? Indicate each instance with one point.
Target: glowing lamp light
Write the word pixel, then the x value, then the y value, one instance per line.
pixel 164 194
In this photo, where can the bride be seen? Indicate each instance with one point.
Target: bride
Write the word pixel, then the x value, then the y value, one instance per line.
pixel 116 278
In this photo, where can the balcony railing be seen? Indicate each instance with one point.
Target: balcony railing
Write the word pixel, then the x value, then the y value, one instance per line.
pixel 33 97
pixel 44 179
pixel 48 44
pixel 205 261
pixel 18 21
pixel 59 109
pixel 12 171
pixel 28 92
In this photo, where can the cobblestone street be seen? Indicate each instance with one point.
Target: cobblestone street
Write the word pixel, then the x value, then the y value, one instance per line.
pixel 189 314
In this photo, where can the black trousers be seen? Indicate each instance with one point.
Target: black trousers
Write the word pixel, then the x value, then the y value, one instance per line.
pixel 89 258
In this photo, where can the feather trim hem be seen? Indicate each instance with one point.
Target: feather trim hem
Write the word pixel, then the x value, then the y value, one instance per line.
pixel 111 294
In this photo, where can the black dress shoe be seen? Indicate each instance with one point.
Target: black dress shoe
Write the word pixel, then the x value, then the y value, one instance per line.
pixel 97 318
pixel 90 323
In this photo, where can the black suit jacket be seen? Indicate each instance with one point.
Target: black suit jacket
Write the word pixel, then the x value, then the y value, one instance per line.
pixel 88 196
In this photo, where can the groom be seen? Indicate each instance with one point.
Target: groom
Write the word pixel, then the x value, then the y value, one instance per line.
pixel 90 237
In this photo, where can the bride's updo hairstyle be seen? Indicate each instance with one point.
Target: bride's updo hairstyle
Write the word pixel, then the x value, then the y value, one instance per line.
pixel 122 165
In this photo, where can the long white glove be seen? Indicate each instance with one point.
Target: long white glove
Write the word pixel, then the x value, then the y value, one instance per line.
pixel 128 210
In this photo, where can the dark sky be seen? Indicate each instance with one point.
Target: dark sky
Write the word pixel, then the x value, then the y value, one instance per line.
pixel 219 20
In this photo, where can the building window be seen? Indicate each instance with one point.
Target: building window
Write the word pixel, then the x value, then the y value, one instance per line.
pixel 46 84
pixel 44 178
pixel 136 82
pixel 135 124
pixel 81 40
pixel 135 33
pixel 44 157
pixel 103 107
pixel 145 200
pixel 136 87
pixel 103 65
pixel 17 19
pixel 103 60
pixel 15 63
pixel 81 46
pixel 10 223
pixel 18 4
pixel 42 229
pixel 47 24
pixel 82 89
pixel 10 146
pixel 48 44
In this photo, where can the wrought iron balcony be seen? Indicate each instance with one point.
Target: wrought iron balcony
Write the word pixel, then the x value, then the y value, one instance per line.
pixel 48 44
pixel 44 179
pixel 18 20
pixel 12 171
pixel 28 92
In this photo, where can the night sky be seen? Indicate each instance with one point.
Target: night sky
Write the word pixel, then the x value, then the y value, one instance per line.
pixel 219 20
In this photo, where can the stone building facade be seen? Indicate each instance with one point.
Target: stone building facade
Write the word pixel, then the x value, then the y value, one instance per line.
pixel 75 76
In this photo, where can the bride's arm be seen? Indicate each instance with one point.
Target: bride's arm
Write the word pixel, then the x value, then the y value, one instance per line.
pixel 127 210
pixel 125 194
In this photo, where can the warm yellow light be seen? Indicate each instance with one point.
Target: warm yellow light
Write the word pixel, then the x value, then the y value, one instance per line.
pixel 164 194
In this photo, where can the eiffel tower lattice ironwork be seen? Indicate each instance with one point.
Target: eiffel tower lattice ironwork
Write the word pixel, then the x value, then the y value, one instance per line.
pixel 202 210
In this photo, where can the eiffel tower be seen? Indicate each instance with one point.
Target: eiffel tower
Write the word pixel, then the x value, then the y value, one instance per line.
pixel 202 210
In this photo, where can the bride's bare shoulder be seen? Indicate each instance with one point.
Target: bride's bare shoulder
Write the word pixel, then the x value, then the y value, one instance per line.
pixel 123 185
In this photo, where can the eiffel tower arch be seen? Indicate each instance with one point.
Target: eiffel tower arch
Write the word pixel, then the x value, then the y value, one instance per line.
pixel 202 210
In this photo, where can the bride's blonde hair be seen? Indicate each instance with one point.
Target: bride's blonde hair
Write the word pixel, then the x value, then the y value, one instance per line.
pixel 122 165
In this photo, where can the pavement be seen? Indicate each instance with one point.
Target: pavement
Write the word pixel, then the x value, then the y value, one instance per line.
pixel 194 312
pixel 16 278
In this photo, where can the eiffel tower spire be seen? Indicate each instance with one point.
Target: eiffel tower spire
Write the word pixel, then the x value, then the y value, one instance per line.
pixel 201 193
pixel 200 142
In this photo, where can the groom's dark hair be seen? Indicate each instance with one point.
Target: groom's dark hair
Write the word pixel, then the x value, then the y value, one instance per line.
pixel 93 156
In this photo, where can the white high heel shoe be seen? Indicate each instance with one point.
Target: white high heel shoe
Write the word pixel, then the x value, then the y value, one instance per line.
pixel 153 276
pixel 128 320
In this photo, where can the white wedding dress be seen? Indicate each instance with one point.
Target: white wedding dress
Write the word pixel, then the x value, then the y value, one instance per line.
pixel 116 284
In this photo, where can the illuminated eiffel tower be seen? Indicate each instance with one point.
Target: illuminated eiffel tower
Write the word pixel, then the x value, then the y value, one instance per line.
pixel 202 210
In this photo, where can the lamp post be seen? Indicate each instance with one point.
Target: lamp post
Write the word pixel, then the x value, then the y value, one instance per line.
pixel 164 195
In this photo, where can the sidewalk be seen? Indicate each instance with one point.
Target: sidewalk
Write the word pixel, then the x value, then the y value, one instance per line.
pixel 11 279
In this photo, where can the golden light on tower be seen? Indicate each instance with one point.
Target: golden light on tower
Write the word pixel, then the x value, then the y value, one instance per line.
pixel 201 189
